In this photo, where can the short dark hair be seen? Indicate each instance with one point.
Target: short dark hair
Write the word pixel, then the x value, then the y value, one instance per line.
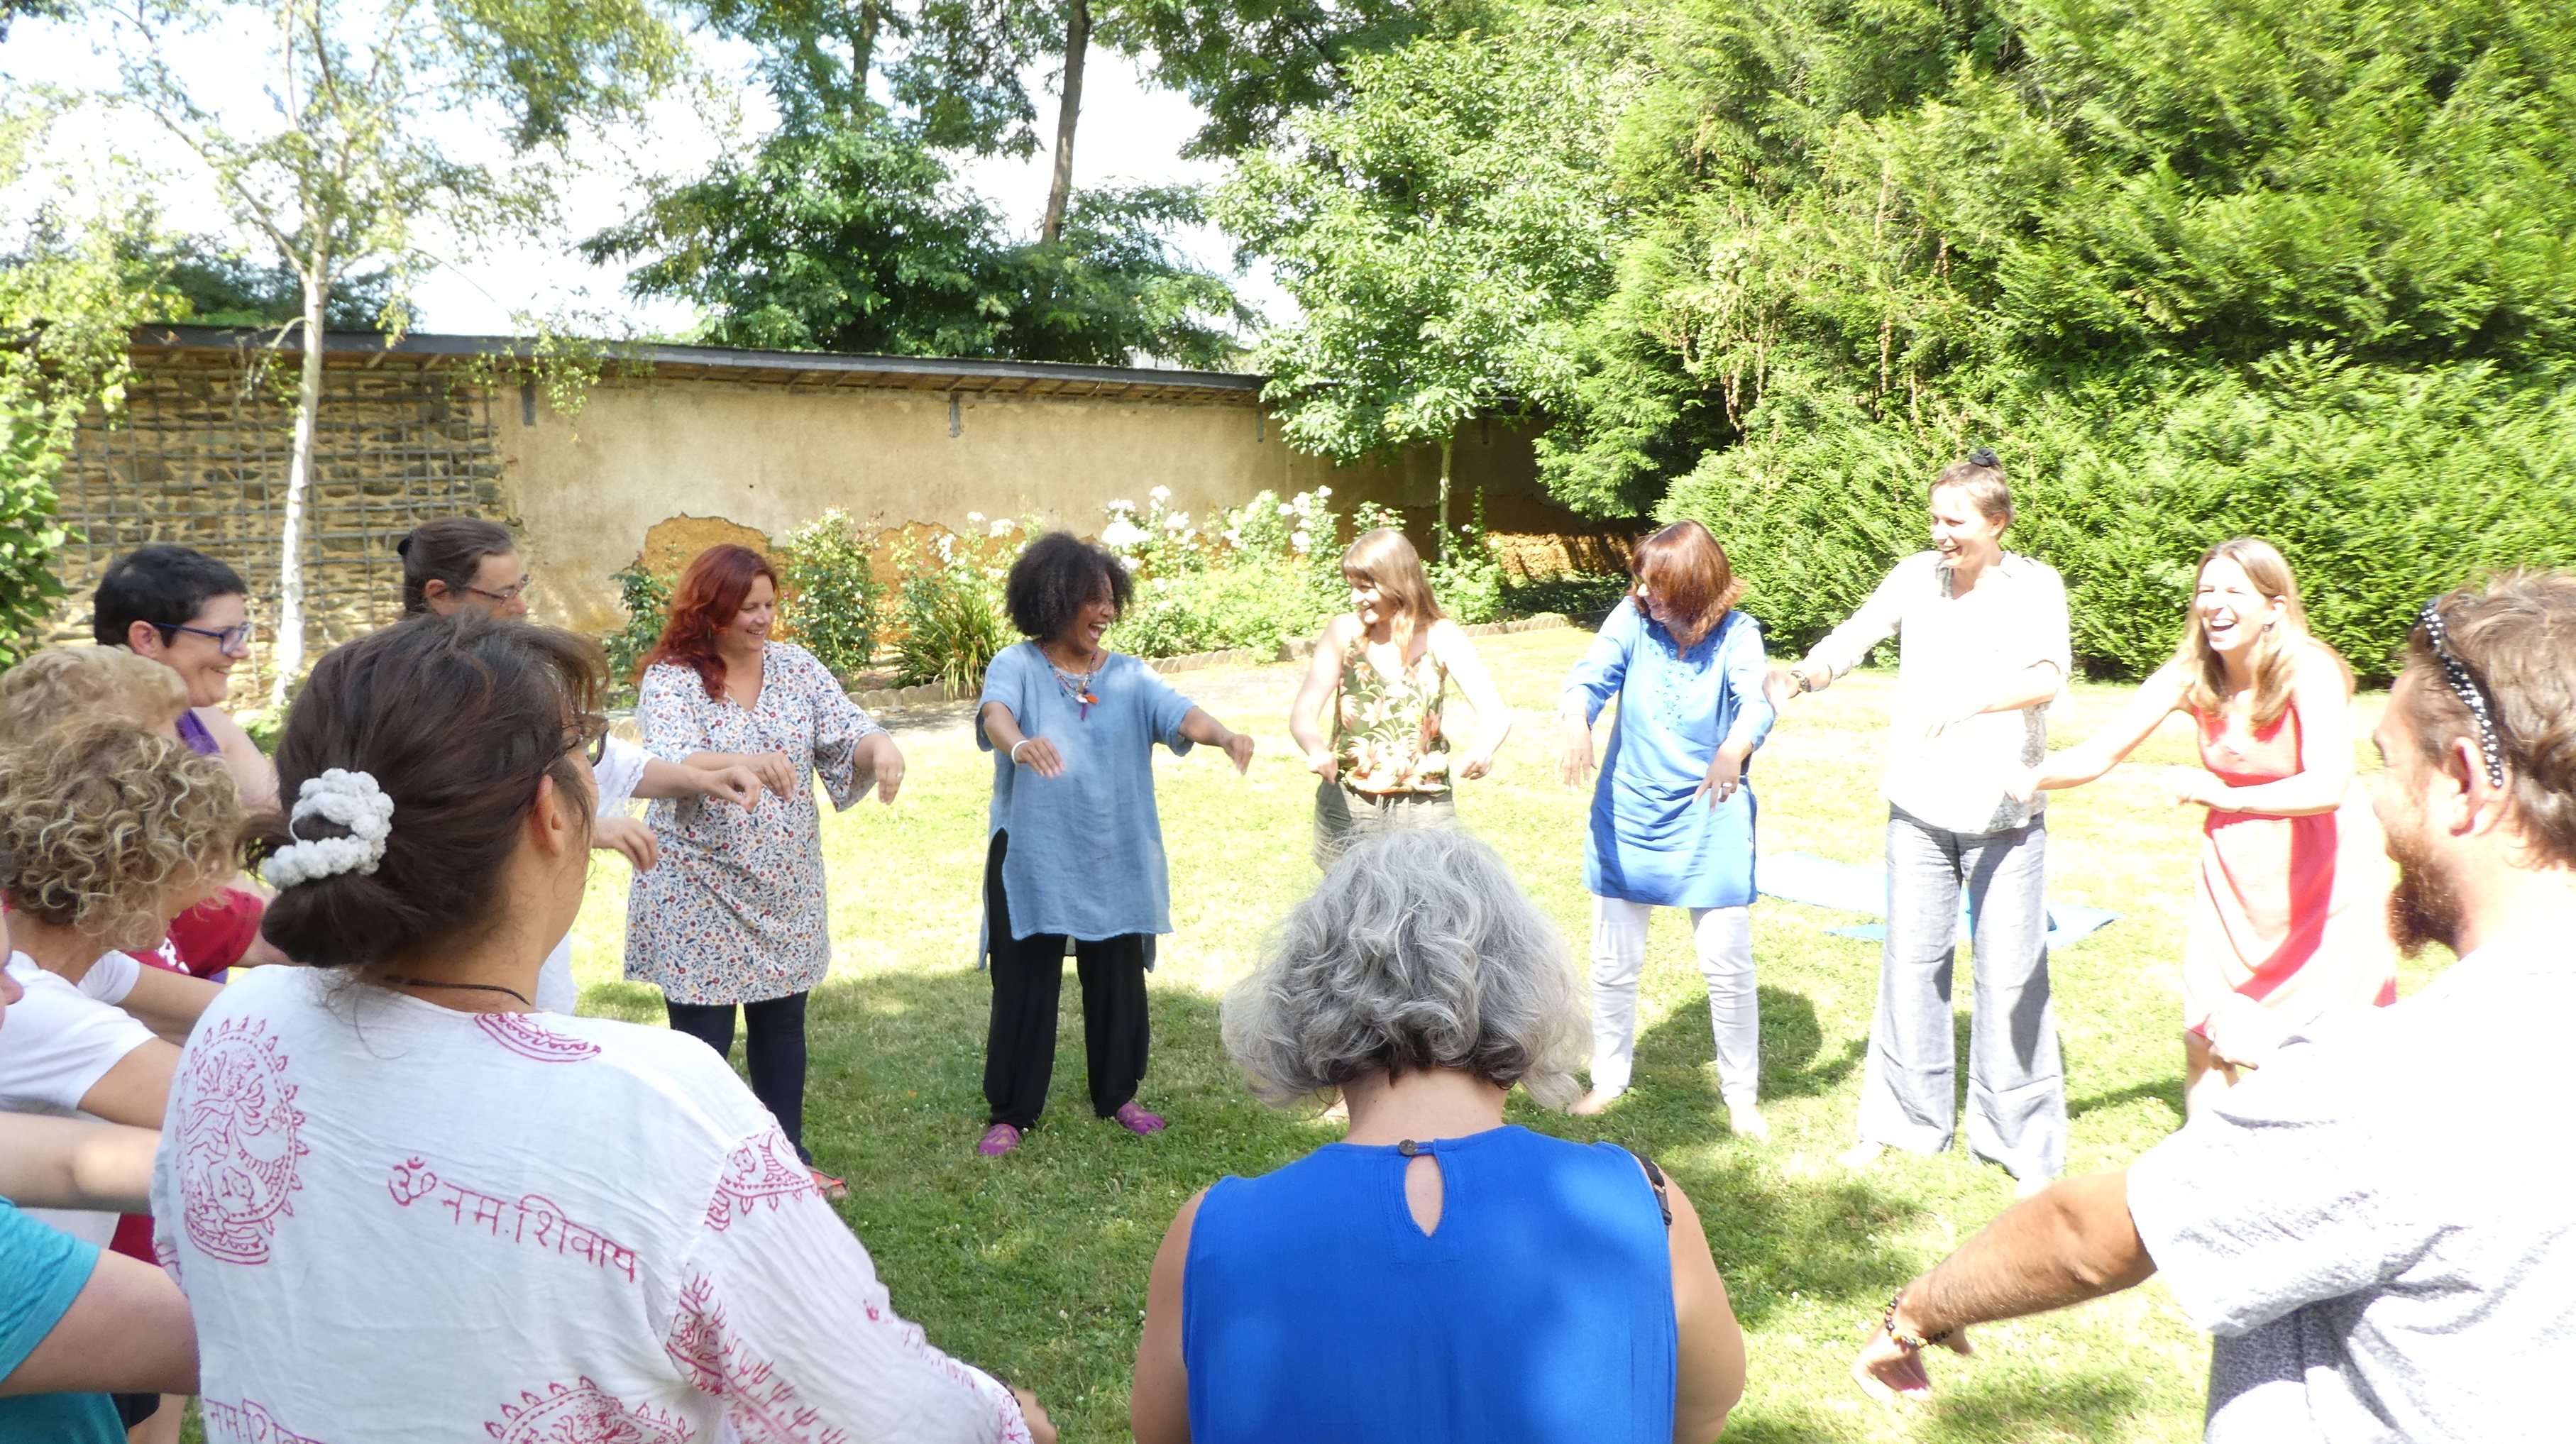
pixel 456 718
pixel 451 550
pixel 1055 577
pixel 164 585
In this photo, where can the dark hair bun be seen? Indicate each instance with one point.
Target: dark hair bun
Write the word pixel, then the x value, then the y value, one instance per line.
pixel 456 718
pixel 1985 456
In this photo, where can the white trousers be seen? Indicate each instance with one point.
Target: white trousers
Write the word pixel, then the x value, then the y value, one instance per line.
pixel 1725 941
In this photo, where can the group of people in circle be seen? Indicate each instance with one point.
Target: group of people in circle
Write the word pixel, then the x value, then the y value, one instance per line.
pixel 477 1213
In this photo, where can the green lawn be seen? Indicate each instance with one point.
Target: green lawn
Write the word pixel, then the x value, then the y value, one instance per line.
pixel 1035 1266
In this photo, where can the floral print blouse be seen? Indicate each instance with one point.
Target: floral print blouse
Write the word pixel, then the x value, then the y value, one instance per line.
pixel 734 913
pixel 1386 734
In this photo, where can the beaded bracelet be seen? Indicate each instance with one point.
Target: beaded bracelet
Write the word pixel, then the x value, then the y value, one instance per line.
pixel 1911 1343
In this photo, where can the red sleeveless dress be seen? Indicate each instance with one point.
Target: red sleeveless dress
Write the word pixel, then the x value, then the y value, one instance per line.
pixel 2290 913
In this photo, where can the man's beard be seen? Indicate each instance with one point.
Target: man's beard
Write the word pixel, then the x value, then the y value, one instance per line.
pixel 2423 907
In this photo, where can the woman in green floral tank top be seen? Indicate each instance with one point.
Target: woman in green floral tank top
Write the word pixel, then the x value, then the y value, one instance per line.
pixel 1380 679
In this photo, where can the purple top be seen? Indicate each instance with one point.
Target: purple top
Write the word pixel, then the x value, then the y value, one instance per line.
pixel 194 733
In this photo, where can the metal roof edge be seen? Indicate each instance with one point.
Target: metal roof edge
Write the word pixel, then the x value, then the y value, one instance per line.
pixel 657 354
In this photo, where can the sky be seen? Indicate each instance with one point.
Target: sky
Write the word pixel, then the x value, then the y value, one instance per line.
pixel 1131 133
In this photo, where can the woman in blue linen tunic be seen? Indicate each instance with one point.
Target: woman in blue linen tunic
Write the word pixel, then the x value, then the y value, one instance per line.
pixel 1672 815
pixel 1074 857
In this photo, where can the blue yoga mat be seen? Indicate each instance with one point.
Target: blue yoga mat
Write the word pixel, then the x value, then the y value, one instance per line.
pixel 1849 887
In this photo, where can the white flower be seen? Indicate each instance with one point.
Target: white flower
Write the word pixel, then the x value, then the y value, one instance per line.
pixel 1122 533
pixel 975 516
pixel 1323 491
pixel 1177 523
pixel 1233 537
pixel 1302 539
pixel 947 547
pixel 1117 507
pixel 1001 526
pixel 1286 510
pixel 1161 493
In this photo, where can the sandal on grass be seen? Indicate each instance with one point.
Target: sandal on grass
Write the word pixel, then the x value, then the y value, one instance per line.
pixel 1132 1117
pixel 999 1139
pixel 828 1186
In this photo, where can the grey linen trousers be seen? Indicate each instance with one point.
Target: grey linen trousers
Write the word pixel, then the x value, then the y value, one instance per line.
pixel 2016 1082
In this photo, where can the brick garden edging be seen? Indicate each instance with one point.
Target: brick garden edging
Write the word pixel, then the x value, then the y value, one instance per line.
pixel 932 694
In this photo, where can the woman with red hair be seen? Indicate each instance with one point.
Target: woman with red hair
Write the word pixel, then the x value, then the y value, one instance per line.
pixel 1672 818
pixel 734 913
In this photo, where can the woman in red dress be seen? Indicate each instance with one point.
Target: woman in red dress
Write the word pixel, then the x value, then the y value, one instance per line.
pixel 2290 915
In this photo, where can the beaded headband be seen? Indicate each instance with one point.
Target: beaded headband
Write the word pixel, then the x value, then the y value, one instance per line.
pixel 2466 687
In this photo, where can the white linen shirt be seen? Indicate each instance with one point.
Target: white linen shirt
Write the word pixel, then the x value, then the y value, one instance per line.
pixel 56 1042
pixel 394 1221
pixel 1950 648
pixel 620 771
pixel 2375 1223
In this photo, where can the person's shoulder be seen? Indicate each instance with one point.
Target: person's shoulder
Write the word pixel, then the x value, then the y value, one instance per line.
pixel 2022 567
pixel 789 657
pixel 1013 661
pixel 662 1071
pixel 219 724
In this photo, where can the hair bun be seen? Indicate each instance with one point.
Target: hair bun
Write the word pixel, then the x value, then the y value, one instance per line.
pixel 1985 456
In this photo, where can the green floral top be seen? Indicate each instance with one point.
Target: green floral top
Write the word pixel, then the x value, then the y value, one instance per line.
pixel 1386 735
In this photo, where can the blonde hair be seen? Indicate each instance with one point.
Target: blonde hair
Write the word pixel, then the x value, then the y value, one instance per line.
pixel 66 684
pixel 100 820
pixel 1386 559
pixel 2274 658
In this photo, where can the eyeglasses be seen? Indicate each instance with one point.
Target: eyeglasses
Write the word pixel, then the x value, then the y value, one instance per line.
pixel 510 593
pixel 231 641
pixel 590 734
pixel 2466 687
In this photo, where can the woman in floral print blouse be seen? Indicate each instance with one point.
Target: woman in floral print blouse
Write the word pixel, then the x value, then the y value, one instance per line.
pixel 735 912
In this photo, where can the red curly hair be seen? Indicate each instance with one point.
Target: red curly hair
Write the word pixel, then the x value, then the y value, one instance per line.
pixel 711 594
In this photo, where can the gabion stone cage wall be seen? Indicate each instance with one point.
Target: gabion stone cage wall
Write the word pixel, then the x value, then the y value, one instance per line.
pixel 199 458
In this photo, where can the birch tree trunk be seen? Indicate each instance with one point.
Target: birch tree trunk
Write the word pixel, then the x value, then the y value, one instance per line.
pixel 1068 113
pixel 289 654
pixel 1440 546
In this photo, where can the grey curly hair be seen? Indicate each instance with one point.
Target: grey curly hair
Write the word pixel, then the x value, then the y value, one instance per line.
pixel 1417 951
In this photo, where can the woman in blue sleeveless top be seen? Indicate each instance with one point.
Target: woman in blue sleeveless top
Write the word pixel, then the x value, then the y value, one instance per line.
pixel 1439 1276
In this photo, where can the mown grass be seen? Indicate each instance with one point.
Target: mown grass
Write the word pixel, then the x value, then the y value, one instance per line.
pixel 1036 1266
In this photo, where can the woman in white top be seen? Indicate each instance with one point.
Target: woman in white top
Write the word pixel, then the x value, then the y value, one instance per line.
pixel 472 1220
pixel 466 564
pixel 1982 650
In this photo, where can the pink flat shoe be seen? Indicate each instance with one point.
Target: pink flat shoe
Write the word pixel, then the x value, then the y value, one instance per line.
pixel 1136 1120
pixel 999 1139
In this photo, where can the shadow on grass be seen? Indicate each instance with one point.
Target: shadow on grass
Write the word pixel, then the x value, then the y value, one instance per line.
pixel 1035 1265
pixel 2167 1091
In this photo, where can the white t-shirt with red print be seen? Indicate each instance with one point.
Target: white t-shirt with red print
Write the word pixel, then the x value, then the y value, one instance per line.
pixel 393 1220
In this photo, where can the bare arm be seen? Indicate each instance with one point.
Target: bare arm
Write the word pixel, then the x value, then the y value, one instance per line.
pixel 169 1004
pixel 128 1331
pixel 1457 652
pixel 736 783
pixel 1158 1406
pixel 1205 730
pixel 253 773
pixel 2113 741
pixel 137 1090
pixel 2325 752
pixel 1709 1372
pixel 69 1163
pixel 1305 714
pixel 773 769
pixel 2071 1243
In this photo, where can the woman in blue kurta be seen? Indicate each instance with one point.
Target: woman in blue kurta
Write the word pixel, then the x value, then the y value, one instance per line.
pixel 1672 815
pixel 1075 857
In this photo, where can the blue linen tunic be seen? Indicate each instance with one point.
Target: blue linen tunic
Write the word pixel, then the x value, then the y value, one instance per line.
pixel 41 1272
pixel 1653 839
pixel 1086 852
pixel 1540 1310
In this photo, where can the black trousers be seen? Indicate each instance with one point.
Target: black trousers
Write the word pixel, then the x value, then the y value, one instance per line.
pixel 774 1047
pixel 1028 980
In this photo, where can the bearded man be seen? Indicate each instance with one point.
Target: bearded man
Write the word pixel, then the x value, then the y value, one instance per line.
pixel 2378 1236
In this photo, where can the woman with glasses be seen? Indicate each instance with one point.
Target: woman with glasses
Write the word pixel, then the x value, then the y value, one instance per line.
pixel 2290 914
pixel 734 913
pixel 463 563
pixel 190 613
pixel 405 1205
pixel 466 564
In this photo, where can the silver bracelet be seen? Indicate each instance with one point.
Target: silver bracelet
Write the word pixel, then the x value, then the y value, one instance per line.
pixel 1015 749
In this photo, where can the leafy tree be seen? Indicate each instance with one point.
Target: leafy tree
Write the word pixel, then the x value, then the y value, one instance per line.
pixel 1442 233
pixel 209 284
pixel 335 175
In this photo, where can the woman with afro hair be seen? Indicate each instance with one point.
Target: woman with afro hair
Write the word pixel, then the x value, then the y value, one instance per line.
pixel 1075 861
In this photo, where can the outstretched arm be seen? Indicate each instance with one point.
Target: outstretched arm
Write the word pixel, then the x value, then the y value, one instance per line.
pixel 69 1163
pixel 1205 730
pixel 2113 741
pixel 2071 1243
pixel 1457 652
pixel 1305 715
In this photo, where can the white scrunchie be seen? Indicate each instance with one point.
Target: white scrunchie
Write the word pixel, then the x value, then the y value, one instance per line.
pixel 351 799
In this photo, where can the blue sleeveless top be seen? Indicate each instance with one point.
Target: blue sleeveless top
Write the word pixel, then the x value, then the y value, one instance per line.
pixel 1539 1311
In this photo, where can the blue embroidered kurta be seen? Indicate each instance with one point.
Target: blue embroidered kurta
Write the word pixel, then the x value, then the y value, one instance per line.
pixel 1653 839
pixel 1086 853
